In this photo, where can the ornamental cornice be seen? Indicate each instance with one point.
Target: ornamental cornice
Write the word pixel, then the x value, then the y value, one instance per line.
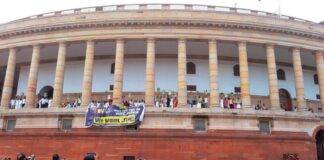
pixel 151 23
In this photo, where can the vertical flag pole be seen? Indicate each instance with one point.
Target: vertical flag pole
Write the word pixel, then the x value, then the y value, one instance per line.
pixel 279 8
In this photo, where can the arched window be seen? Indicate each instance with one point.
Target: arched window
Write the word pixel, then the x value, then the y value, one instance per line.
pixel 47 92
pixel 236 70
pixel 281 75
pixel 191 68
pixel 315 79
pixel 112 68
pixel 285 100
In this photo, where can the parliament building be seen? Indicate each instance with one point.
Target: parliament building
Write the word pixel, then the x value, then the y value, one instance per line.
pixel 273 64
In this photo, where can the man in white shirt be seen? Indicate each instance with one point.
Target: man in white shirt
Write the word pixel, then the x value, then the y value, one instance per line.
pixel 18 103
pixel 43 103
pixel 12 103
pixel 49 102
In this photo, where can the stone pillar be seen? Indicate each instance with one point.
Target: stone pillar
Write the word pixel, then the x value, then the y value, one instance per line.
pixel 299 79
pixel 87 74
pixel 244 75
pixel 213 73
pixel 119 69
pixel 9 79
pixel 150 73
pixel 320 72
pixel 182 73
pixel 59 75
pixel 32 79
pixel 272 77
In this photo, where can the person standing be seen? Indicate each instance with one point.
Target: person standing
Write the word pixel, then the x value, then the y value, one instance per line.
pixel 168 101
pixel 21 156
pixel 175 102
pixel 56 157
pixel 221 101
pixel 225 102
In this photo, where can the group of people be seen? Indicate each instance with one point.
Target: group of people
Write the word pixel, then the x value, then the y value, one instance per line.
pixel 231 101
pixel 21 156
pixel 44 102
pixel 169 101
pixel 198 102
pixel 125 103
pixel 132 102
pixel 260 106
pixel 72 104
pixel 18 102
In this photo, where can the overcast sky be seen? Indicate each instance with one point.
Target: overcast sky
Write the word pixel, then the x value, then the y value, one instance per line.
pixel 312 10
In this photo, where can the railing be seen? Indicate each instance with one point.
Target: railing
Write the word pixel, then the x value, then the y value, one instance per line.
pixel 187 7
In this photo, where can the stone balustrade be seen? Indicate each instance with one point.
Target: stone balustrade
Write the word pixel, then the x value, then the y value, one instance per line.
pixel 139 7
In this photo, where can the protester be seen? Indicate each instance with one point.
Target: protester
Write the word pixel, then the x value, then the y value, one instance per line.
pixel 90 156
pixel 21 156
pixel 56 157
pixel 31 157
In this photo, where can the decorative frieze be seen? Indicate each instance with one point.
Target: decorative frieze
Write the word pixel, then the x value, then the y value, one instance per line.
pixel 150 23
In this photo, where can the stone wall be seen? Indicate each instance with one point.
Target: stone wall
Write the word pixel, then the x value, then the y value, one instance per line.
pixel 113 144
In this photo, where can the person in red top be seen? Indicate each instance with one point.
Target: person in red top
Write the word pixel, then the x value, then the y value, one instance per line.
pixel 175 102
pixel 225 102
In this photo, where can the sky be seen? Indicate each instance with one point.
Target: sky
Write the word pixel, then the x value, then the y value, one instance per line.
pixel 306 9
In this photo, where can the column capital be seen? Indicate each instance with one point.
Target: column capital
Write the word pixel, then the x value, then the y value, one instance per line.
pixel 120 40
pixel 242 42
pixel 12 49
pixel 150 39
pixel 11 46
pixel 318 52
pixel 210 41
pixel 270 44
pixel 38 45
pixel 90 41
pixel 182 40
pixel 62 42
pixel 294 49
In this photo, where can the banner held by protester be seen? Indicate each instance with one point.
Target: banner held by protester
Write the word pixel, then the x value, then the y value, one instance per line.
pixel 114 116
